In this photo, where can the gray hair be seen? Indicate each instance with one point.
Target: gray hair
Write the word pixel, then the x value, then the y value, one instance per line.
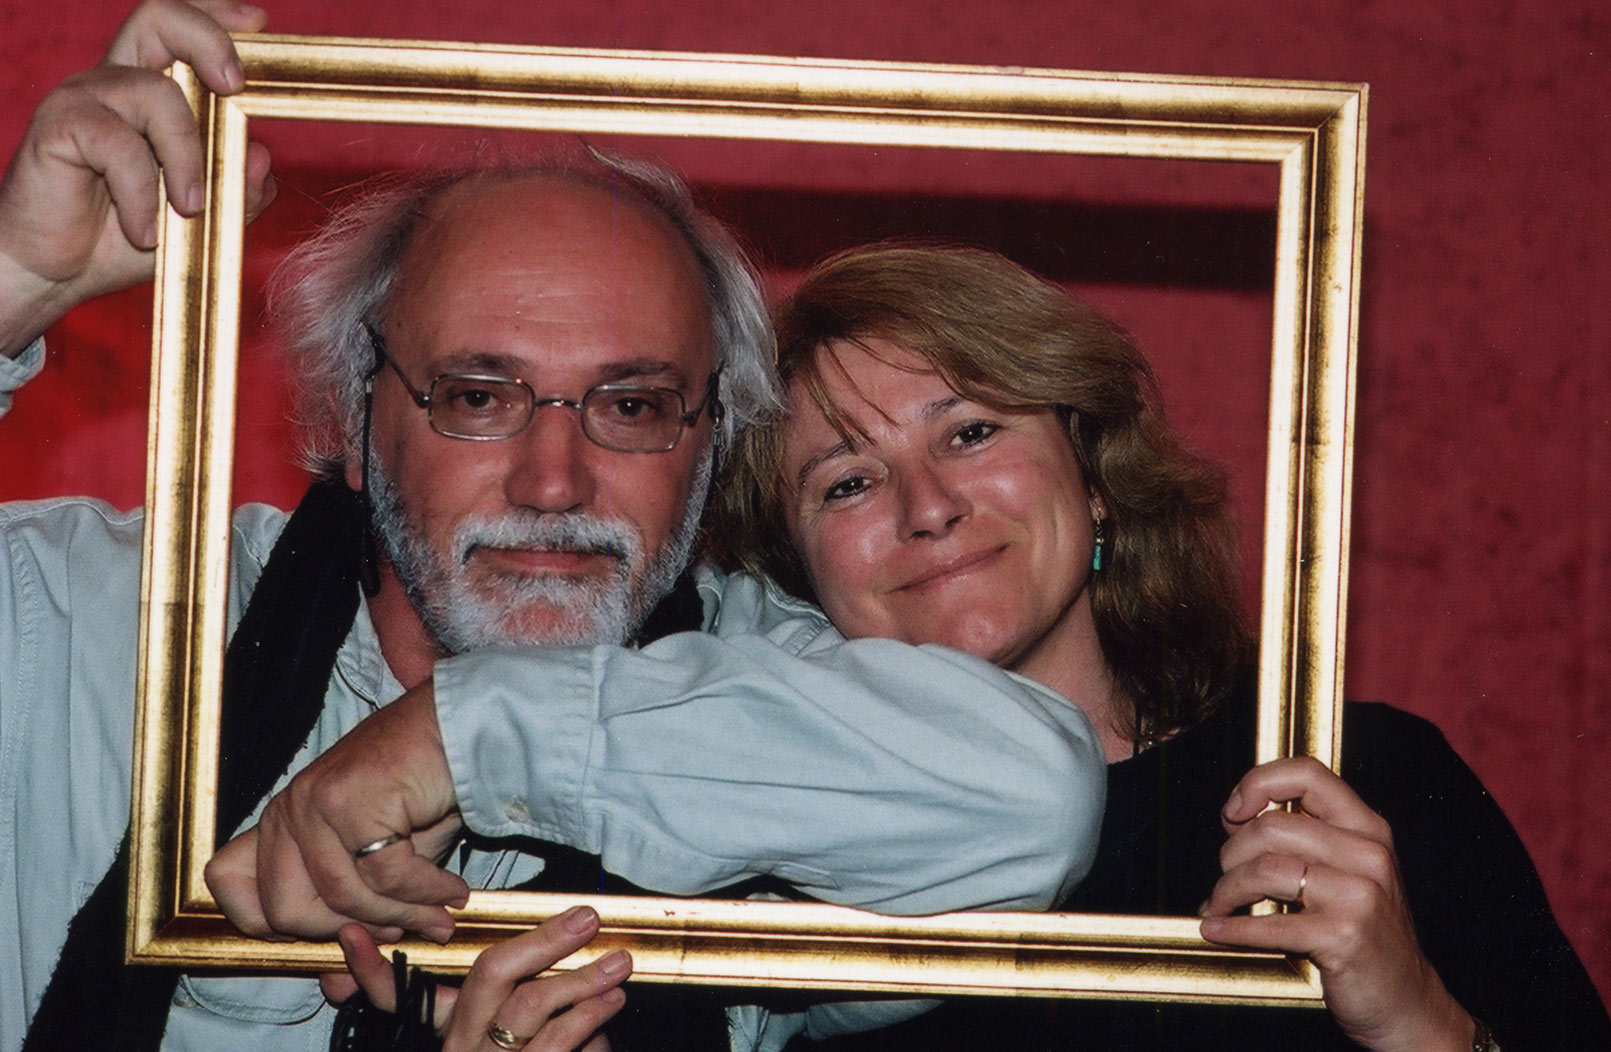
pixel 342 278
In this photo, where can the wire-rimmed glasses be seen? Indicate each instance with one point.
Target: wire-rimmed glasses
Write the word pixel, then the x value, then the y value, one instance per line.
pixel 484 407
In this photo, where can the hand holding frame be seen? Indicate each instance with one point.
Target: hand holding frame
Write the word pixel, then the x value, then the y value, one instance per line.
pixel 1333 857
pixel 297 873
pixel 78 205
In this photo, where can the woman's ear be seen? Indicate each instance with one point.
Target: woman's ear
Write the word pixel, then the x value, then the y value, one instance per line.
pixel 1099 508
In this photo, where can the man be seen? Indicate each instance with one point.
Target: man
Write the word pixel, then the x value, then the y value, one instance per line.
pixel 523 371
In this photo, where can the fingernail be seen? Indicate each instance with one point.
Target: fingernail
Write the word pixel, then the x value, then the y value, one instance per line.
pixel 1212 926
pixel 614 964
pixel 150 239
pixel 234 76
pixel 613 997
pixel 439 933
pixel 1202 909
pixel 195 198
pixel 580 920
pixel 1233 806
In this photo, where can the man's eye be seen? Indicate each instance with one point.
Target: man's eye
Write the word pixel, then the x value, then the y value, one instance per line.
pixel 974 433
pixel 637 407
pixel 478 398
pixel 848 487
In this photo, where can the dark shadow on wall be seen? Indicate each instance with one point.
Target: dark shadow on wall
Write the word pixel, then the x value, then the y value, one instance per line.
pixel 1232 249
pixel 1224 248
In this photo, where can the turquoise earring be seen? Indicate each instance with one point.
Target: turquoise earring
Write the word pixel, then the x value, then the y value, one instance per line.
pixel 1100 542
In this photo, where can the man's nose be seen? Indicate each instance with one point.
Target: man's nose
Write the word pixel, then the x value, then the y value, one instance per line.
pixel 552 463
pixel 930 504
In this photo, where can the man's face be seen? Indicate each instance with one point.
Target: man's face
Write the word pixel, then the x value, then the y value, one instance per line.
pixel 543 536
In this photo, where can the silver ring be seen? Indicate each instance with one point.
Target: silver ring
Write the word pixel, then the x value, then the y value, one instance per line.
pixel 1303 882
pixel 379 845
pixel 505 1038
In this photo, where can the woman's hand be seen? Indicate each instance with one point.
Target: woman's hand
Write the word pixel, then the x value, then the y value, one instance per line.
pixel 500 998
pixel 1332 858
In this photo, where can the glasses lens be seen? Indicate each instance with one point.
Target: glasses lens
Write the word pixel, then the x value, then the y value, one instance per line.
pixel 633 419
pixel 479 406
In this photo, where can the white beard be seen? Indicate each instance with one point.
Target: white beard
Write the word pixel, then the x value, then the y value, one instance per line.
pixel 462 613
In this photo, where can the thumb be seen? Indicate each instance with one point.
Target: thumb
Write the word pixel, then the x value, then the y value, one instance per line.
pixel 337 987
pixel 368 970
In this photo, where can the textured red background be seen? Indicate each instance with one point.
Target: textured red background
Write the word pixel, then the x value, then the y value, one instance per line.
pixel 1482 521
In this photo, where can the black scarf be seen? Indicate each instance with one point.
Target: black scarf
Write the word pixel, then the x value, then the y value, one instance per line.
pixel 276 672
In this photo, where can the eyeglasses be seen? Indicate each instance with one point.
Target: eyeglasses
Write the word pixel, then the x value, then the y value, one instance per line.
pixel 621 417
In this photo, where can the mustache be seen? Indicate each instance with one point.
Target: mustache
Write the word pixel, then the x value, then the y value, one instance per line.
pixel 579 532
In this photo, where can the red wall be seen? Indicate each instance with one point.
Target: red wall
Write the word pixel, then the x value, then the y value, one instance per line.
pixel 1482 522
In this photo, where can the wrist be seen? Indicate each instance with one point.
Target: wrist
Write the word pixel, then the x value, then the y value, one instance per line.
pixel 30 304
pixel 28 307
pixel 423 736
pixel 1440 1026
pixel 1458 1033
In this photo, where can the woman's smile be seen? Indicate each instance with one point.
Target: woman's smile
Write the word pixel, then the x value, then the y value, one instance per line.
pixel 951 570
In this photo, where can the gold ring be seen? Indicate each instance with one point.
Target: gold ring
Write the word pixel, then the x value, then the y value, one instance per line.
pixel 505 1038
pixel 378 845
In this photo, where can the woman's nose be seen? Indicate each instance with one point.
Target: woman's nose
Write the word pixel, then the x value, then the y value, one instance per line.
pixel 930 503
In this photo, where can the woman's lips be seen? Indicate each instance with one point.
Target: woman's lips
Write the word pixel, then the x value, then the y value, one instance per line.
pixel 951 569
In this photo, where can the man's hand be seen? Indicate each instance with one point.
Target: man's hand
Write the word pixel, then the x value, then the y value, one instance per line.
pixel 78 205
pixel 386 785
pixel 1333 858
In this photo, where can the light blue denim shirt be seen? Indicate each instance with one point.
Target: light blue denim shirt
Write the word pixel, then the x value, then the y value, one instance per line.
pixel 910 780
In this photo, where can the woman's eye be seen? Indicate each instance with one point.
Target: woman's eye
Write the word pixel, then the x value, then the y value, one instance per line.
pixel 974 433
pixel 848 487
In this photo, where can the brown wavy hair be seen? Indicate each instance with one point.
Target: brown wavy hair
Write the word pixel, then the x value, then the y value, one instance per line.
pixel 1165 605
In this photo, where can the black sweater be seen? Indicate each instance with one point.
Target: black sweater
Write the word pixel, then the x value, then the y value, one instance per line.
pixel 1479 908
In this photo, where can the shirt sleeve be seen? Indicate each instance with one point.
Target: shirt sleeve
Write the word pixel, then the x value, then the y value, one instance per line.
pixel 870 773
pixel 14 372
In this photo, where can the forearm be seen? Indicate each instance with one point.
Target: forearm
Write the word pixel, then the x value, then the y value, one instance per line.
pixel 876 775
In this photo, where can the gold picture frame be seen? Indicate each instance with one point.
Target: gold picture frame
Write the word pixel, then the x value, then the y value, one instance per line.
pixel 1312 132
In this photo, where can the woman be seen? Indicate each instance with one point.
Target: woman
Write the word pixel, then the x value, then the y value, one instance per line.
pixel 950 419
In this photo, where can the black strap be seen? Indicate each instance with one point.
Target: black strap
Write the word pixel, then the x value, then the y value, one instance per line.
pixel 279 662
pixel 275 675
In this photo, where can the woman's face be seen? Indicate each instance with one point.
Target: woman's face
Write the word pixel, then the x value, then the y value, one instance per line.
pixel 952 523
